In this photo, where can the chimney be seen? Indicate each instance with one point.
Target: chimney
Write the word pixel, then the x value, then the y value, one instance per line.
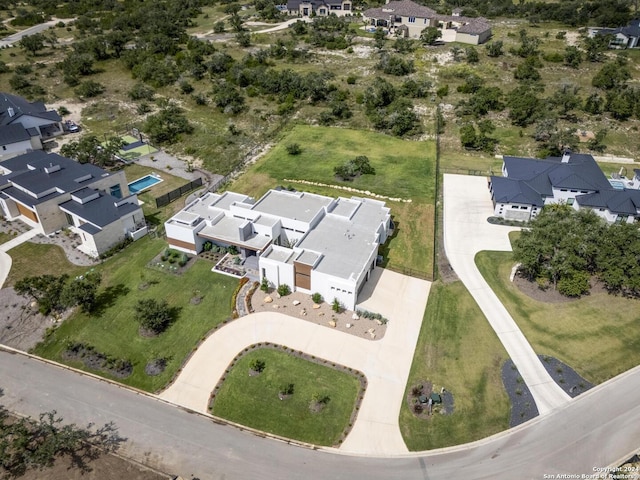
pixel 11 112
pixel 566 155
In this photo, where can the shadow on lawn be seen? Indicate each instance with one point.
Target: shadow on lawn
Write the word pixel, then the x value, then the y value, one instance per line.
pixel 109 296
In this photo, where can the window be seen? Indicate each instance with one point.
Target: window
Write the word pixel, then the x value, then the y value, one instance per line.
pixel 4 147
pixel 601 209
pixel 412 19
pixel 570 201
pixel 563 189
pixel 574 191
pixel 322 11
pixel 347 6
pixel 515 207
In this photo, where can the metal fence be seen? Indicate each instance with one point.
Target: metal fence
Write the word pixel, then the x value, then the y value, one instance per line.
pixel 167 198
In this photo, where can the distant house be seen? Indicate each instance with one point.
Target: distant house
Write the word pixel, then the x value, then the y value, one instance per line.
pixel 16 140
pixel 322 8
pixel 17 110
pixel 622 37
pixel 309 242
pixel 528 184
pixel 410 19
pixel 51 192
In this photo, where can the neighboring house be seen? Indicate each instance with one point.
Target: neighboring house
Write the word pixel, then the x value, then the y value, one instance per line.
pixel 322 8
pixel 51 192
pixel 622 37
pixel 309 242
pixel 528 184
pixel 410 19
pixel 16 140
pixel 17 110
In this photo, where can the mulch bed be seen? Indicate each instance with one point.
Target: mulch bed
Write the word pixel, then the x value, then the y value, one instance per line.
pixel 95 360
pixel 426 388
pixel 549 295
pixel 155 367
pixel 523 407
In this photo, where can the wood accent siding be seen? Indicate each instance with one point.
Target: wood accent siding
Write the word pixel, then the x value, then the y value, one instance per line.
pixel 181 244
pixel 302 275
pixel 30 214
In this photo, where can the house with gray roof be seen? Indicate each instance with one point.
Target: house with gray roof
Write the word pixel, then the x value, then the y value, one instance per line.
pixel 407 18
pixel 528 184
pixel 16 140
pixel 312 243
pixel 621 37
pixel 321 8
pixel 51 192
pixel 18 110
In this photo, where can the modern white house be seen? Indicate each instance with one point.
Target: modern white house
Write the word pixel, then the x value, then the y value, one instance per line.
pixel 51 192
pixel 321 8
pixel 528 184
pixel 409 19
pixel 309 242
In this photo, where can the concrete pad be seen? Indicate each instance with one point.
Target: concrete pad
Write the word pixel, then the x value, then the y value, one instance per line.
pixel 467 205
pixel 385 363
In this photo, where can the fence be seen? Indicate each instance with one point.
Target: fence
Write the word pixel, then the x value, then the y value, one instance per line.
pixel 167 198
pixel 411 272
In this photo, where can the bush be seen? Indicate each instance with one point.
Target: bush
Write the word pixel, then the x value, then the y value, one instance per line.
pixel 293 149
pixel 154 315
pixel 284 290
pixel 264 285
pixel 286 389
pixel 257 365
pixel 89 89
pixel 336 306
pixel 317 298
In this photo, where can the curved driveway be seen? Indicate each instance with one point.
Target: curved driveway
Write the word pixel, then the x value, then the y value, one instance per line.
pixel 467 205
pixel 5 259
pixel 385 362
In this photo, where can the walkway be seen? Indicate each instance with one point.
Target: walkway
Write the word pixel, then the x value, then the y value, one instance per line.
pixel 386 362
pixel 5 259
pixel 467 205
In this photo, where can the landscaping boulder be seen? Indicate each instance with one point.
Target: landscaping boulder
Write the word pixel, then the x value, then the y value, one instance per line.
pixel 355 316
pixel 267 299
pixel 332 323
pixel 296 303
pixel 316 306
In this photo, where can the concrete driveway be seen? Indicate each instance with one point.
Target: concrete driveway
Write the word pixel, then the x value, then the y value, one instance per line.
pixel 467 205
pixel 385 362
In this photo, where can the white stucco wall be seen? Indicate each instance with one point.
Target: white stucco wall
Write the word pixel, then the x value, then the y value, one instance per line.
pixel 13 149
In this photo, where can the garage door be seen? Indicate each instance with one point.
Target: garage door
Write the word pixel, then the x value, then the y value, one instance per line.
pixel 30 214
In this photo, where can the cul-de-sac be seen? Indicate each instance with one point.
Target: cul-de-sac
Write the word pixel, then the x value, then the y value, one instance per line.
pixel 322 239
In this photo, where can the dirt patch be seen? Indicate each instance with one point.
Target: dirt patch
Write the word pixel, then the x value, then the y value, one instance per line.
pixel 21 325
pixel 155 367
pixel 95 360
pixel 422 406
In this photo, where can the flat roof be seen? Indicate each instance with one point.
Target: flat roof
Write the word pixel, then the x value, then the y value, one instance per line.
pixel 210 205
pixel 279 254
pixel 226 230
pixel 307 258
pixel 300 206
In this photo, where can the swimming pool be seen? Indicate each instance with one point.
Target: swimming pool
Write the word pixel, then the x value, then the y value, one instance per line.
pixel 143 183
pixel 617 184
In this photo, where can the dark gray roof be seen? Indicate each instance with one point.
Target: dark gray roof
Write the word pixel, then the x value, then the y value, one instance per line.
pixel 404 8
pixel 622 202
pixel 37 172
pixel 13 134
pixel 22 106
pixel 507 190
pixel 100 211
pixel 632 29
pixel 529 180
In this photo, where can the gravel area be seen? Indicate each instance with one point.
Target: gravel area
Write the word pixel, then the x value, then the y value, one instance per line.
pixel 565 376
pixel 323 315
pixel 523 407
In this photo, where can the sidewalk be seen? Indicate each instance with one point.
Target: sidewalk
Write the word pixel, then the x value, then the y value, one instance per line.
pixel 467 205
pixel 5 259
pixel 386 362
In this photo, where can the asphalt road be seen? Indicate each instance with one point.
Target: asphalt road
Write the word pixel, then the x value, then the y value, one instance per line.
pixel 16 37
pixel 595 430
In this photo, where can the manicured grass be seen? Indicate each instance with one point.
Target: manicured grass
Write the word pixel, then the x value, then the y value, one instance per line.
pixel 404 169
pixel 33 259
pixel 597 335
pixel 457 350
pixel 254 402
pixel 113 330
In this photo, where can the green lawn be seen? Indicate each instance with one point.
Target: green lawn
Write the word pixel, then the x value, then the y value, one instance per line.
pixel 27 261
pixel 113 330
pixel 597 335
pixel 254 402
pixel 404 169
pixel 458 350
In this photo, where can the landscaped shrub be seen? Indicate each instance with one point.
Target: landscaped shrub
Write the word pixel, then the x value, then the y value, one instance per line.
pixel 336 306
pixel 286 389
pixel 183 260
pixel 232 250
pixel 264 285
pixel 294 149
pixel 154 315
pixel 257 365
pixel 207 247
pixel 284 290
pixel 317 298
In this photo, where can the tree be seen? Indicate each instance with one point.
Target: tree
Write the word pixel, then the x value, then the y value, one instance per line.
pixel 33 43
pixel 494 49
pixel 44 289
pixel 26 443
pixel 596 46
pixel 527 71
pixel 395 65
pixel 243 38
pixel 528 45
pixel 89 89
pixel 471 55
pixel 168 124
pixel 468 136
pixel 89 149
pixel 611 76
pixel 379 38
pixel 82 291
pixel 154 315
pixel 572 56
pixel 566 99
pixel 597 142
pixel 524 106
pixel 430 35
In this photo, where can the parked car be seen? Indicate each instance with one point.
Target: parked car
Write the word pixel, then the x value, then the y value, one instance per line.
pixel 71 127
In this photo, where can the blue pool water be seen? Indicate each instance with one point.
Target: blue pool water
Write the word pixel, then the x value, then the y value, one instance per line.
pixel 143 183
pixel 617 184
